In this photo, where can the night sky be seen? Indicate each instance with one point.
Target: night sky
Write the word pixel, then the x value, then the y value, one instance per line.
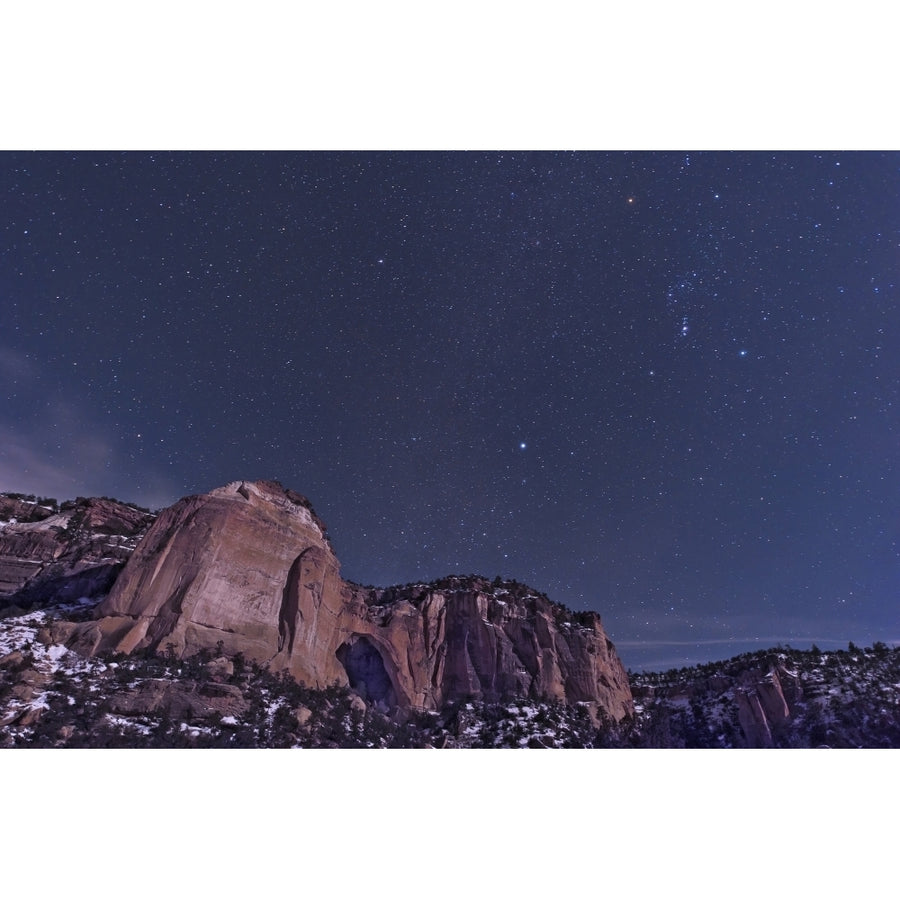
pixel 661 385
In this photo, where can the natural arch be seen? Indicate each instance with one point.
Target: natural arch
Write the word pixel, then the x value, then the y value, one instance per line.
pixel 366 672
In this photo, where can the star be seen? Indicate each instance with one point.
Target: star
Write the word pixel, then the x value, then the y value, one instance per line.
pixel 611 340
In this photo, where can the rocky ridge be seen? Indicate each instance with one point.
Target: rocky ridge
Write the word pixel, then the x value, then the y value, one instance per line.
pixel 248 569
pixel 51 553
pixel 53 697
pixel 775 698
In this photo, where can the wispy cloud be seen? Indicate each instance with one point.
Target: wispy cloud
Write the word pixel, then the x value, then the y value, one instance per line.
pixel 16 367
pixel 53 443
pixel 764 641
pixel 658 655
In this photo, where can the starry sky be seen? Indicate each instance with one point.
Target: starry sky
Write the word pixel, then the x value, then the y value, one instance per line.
pixel 661 385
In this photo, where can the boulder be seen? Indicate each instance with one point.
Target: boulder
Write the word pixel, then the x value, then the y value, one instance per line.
pixel 13 508
pixel 30 717
pixel 12 660
pixel 220 667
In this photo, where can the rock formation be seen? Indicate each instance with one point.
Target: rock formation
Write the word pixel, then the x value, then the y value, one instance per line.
pixel 248 569
pixel 75 552
pixel 762 702
pixel 182 701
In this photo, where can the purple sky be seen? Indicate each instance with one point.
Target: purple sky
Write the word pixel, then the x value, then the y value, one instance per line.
pixel 662 385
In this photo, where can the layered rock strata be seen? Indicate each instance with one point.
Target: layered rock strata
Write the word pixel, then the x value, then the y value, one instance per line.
pixel 64 555
pixel 249 569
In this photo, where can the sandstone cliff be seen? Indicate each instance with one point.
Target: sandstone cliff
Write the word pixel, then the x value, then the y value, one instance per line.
pixel 248 568
pixel 764 700
pixel 62 555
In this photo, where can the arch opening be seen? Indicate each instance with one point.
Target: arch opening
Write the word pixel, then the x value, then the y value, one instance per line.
pixel 364 665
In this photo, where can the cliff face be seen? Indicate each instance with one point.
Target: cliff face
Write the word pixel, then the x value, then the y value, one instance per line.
pixel 226 566
pixel 467 637
pixel 766 699
pixel 249 567
pixel 75 552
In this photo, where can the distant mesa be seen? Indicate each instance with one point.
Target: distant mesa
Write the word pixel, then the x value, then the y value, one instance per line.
pixel 248 568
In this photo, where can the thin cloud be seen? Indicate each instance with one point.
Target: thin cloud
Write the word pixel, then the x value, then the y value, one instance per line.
pixel 787 640
pixel 15 366
pixel 58 447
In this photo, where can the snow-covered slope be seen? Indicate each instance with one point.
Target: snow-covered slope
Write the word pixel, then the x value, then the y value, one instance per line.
pixel 51 697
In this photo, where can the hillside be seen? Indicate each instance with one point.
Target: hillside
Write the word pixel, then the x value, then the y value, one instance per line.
pixel 53 697
pixel 774 698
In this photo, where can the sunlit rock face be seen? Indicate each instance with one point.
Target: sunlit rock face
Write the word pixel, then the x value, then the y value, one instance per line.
pixel 247 565
pixel 249 569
